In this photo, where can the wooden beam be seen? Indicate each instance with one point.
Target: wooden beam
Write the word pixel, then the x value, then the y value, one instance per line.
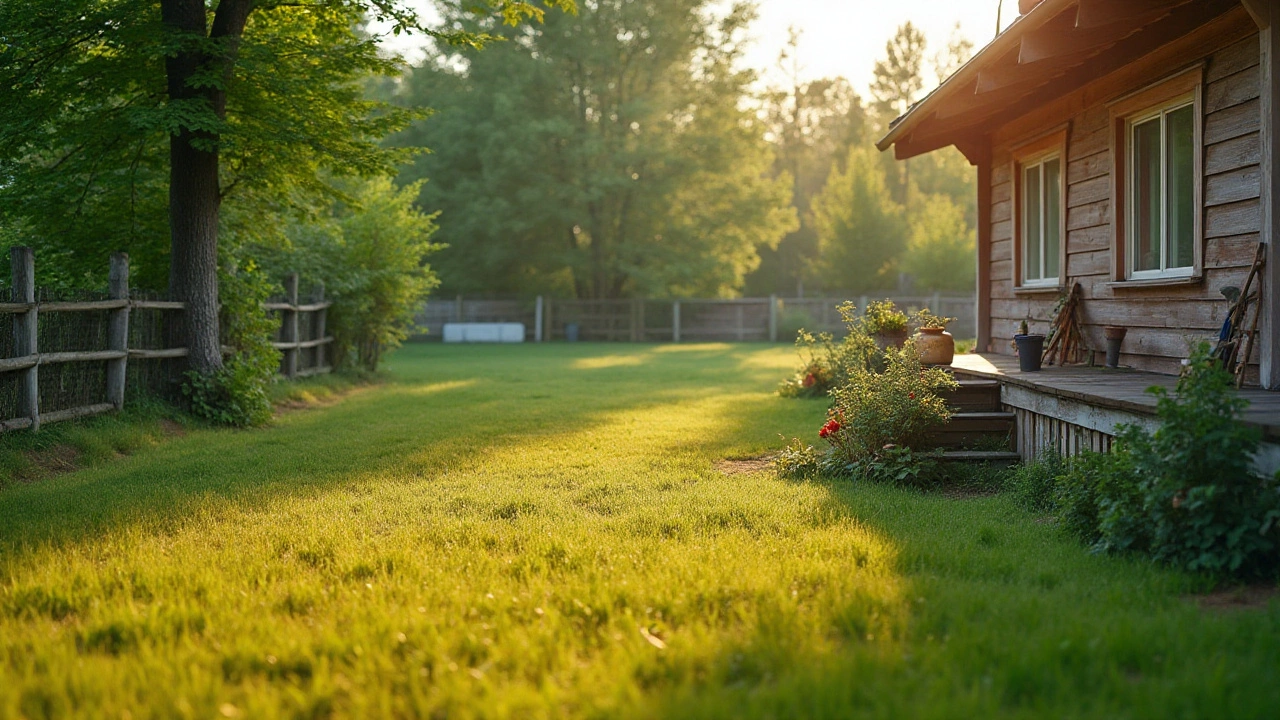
pixel 983 311
pixel 1051 43
pixel 1100 13
pixel 1269 350
pixel 1260 11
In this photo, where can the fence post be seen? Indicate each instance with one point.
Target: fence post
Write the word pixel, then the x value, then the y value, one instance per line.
pixel 118 328
pixel 321 327
pixel 23 262
pixel 291 326
pixel 457 309
pixel 935 305
pixel 675 321
pixel 635 313
pixel 537 320
pixel 773 318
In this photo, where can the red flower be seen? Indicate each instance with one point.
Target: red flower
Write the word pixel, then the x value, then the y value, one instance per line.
pixel 911 396
pixel 829 429
pixel 809 380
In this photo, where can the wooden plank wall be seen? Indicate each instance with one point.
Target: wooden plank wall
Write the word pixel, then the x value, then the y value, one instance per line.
pixel 1161 320
pixel 1037 434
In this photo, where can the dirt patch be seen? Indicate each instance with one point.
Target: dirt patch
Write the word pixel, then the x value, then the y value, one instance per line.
pixel 1247 597
pixel 745 466
pixel 308 401
pixel 172 428
pixel 964 493
pixel 53 461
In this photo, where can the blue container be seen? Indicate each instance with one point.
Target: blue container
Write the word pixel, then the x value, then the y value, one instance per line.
pixel 571 332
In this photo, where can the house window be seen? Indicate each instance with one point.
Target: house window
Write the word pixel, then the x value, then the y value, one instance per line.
pixel 1041 221
pixel 1157 194
pixel 1160 191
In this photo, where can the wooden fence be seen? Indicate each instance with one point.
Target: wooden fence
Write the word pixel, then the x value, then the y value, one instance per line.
pixel 771 319
pixel 72 358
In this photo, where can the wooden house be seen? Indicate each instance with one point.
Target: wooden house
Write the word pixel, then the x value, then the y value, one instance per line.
pixel 1128 146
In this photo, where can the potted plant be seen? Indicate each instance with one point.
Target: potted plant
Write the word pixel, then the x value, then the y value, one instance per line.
pixel 1030 348
pixel 886 323
pixel 934 344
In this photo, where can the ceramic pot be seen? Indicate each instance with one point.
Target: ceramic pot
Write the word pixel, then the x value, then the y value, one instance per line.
pixel 1115 336
pixel 935 346
pixel 886 340
pixel 1030 348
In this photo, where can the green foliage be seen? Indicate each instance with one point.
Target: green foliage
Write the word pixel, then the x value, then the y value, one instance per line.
pixel 1204 507
pixel 370 253
pixel 895 407
pixel 1185 494
pixel 1032 483
pixel 860 229
pixel 826 362
pixel 940 246
pixel 604 154
pixel 924 318
pixel 237 395
pixel 882 316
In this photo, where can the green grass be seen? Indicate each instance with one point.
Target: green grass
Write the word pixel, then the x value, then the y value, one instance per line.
pixel 540 531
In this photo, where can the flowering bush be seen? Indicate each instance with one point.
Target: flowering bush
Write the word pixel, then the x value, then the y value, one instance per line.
pixel 878 423
pixel 826 362
pixel 883 316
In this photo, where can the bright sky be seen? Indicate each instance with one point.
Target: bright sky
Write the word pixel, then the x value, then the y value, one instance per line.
pixel 845 37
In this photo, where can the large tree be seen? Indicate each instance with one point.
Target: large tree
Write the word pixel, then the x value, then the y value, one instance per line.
pixel 603 155
pixel 94 82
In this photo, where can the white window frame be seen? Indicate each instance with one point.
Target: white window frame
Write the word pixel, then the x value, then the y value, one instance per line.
pixel 1024 164
pixel 1131 220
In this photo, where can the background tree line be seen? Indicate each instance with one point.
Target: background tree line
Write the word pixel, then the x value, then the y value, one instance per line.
pixel 622 151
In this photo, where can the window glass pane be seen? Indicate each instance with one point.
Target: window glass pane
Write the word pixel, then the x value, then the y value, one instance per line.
pixel 1031 223
pixel 1052 216
pixel 1145 200
pixel 1180 154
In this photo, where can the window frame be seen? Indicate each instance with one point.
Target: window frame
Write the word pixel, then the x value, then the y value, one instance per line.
pixel 1157 100
pixel 1037 152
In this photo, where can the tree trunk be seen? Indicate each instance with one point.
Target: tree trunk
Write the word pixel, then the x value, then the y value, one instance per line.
pixel 194 192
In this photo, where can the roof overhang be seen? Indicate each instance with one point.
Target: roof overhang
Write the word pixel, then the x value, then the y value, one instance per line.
pixel 1053 49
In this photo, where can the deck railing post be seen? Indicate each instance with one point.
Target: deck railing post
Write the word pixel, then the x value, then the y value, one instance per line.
pixel 290 326
pixel 23 263
pixel 118 328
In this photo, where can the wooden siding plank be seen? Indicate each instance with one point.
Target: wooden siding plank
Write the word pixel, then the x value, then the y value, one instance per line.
pixel 1233 90
pixel 1083 264
pixel 1232 59
pixel 1089 191
pixel 1002 250
pixel 1001 211
pixel 1235 219
pixel 1233 122
pixel 1231 252
pixel 1089 167
pixel 1232 154
pixel 1091 215
pixel 1097 237
pixel 1234 186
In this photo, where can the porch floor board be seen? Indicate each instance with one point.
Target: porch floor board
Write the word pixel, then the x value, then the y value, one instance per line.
pixel 1119 389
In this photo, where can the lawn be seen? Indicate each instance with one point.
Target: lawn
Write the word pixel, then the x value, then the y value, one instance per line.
pixel 542 531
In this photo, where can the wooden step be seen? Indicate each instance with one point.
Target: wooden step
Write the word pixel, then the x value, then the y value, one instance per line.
pixel 974 396
pixel 986 430
pixel 982 457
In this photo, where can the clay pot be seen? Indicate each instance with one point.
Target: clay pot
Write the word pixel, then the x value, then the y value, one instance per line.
pixel 935 346
pixel 885 340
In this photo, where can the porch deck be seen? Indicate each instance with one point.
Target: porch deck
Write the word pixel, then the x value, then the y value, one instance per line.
pixel 1121 389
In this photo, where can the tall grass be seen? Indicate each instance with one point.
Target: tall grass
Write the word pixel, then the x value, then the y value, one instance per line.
pixel 540 531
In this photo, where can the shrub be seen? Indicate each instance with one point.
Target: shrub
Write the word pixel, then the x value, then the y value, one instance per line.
pixel 883 316
pixel 1032 483
pixel 1203 506
pixel 895 407
pixel 237 395
pixel 827 362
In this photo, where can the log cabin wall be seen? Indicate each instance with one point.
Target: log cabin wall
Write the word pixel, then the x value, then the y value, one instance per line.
pixel 1161 320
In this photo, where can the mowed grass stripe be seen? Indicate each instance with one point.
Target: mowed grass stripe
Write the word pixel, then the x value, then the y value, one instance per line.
pixel 539 531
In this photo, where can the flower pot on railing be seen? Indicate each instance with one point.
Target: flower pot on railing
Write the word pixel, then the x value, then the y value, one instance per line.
pixel 1115 336
pixel 1030 348
pixel 935 346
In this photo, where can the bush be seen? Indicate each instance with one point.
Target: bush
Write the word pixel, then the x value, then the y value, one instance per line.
pixel 1185 494
pixel 237 395
pixel 883 316
pixel 1204 507
pixel 1032 483
pixel 826 362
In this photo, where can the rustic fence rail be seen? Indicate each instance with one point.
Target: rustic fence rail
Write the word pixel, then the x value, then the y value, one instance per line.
pixel 771 319
pixel 93 363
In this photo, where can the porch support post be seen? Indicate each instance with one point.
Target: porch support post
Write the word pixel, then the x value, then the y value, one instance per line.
pixel 1264 12
pixel 983 310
